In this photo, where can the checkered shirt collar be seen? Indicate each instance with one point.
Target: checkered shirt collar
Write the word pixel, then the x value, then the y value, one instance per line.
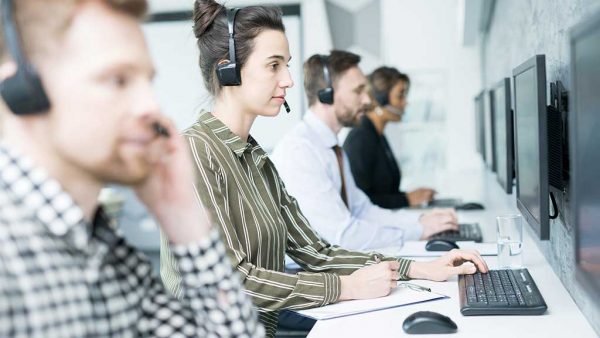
pixel 33 188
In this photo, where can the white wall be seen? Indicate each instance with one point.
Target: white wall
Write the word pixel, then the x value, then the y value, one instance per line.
pixel 179 84
pixel 420 37
pixel 423 38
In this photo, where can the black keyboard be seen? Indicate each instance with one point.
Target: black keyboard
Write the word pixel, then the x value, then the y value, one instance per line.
pixel 467 232
pixel 500 292
pixel 444 203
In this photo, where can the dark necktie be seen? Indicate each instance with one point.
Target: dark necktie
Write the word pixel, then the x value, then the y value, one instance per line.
pixel 338 154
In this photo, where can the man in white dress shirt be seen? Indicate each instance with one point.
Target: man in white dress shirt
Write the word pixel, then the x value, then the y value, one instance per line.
pixel 317 173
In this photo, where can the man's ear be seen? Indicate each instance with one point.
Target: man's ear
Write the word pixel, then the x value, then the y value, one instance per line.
pixel 7 69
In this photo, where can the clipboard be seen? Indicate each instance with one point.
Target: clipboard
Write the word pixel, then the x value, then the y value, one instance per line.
pixel 400 296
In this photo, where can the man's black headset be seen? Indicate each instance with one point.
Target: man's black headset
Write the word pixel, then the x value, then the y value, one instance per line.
pixel 23 92
pixel 228 71
pixel 326 94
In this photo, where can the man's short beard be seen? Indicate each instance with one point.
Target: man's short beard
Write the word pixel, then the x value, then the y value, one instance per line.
pixel 350 120
pixel 347 122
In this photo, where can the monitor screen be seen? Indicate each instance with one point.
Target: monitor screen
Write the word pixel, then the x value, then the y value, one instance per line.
pixel 490 138
pixel 480 125
pixel 584 134
pixel 531 143
pixel 503 133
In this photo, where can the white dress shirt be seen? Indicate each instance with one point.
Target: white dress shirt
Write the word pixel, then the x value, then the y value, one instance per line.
pixel 309 168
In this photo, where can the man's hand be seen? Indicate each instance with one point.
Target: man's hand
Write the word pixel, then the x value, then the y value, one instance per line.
pixel 168 192
pixel 450 264
pixel 438 220
pixel 371 281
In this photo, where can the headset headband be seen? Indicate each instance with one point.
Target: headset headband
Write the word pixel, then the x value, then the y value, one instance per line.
pixel 325 64
pixel 230 24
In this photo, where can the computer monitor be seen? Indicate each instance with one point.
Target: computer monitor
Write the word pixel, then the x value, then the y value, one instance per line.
pixel 503 134
pixel 490 142
pixel 480 125
pixel 531 145
pixel 584 141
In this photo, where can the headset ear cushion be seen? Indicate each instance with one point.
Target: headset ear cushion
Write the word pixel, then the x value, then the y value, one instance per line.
pixel 381 97
pixel 24 93
pixel 326 95
pixel 228 74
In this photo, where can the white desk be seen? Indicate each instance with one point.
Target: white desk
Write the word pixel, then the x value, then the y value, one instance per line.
pixel 563 318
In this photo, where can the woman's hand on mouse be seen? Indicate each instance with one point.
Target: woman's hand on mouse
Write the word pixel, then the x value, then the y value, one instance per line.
pixel 448 265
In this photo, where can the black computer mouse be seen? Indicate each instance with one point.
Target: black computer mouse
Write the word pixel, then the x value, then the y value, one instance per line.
pixel 427 322
pixel 440 245
pixel 469 206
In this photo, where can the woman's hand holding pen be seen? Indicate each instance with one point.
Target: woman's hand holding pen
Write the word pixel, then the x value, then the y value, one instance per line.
pixel 371 281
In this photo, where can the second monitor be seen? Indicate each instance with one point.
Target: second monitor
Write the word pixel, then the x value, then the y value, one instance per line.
pixel 504 141
pixel 531 144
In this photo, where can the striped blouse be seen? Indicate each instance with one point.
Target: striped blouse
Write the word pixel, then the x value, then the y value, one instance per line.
pixel 260 223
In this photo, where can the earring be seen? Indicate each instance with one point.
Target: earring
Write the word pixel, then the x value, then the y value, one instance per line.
pixel 378 111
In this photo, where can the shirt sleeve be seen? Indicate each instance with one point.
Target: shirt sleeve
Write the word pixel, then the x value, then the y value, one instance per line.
pixel 212 300
pixel 363 226
pixel 362 208
pixel 313 253
pixel 393 200
pixel 269 289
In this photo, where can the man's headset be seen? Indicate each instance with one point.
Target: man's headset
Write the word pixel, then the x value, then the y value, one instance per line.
pixel 326 94
pixel 23 92
pixel 228 71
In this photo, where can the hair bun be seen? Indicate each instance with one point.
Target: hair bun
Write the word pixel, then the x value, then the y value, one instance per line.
pixel 205 13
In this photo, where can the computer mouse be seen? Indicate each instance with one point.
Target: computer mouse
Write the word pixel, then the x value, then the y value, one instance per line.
pixel 440 245
pixel 427 322
pixel 469 206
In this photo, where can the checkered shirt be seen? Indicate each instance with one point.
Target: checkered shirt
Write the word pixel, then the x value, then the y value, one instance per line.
pixel 63 277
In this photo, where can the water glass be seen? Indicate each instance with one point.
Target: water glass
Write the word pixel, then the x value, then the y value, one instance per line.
pixel 510 241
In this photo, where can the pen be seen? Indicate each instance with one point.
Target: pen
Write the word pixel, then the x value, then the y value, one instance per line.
pixel 415 287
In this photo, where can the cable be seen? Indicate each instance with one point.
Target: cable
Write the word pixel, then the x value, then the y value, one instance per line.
pixel 554 207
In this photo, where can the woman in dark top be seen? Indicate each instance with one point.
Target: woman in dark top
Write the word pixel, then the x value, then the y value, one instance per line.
pixel 372 161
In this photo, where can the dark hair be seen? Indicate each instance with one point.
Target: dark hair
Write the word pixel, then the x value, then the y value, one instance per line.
pixel 212 34
pixel 338 63
pixel 383 79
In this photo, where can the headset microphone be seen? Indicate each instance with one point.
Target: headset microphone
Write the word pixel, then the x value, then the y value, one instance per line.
pixel 287 107
pixel 394 110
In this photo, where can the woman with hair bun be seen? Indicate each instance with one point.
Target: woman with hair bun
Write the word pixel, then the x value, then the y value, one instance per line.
pixel 239 186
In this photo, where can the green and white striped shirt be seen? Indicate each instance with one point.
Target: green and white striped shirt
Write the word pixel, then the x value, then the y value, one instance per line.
pixel 260 223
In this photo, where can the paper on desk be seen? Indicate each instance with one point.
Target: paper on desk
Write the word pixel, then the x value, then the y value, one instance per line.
pixel 398 297
pixel 417 249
